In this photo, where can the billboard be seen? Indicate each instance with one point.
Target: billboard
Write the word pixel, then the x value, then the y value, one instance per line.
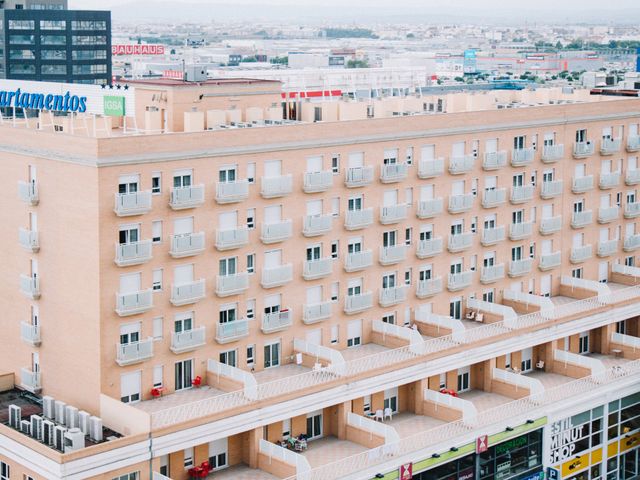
pixel 135 49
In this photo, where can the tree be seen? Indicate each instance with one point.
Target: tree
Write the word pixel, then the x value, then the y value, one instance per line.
pixel 357 64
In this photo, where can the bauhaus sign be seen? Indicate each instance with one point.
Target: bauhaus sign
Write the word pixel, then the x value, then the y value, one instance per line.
pixel 135 49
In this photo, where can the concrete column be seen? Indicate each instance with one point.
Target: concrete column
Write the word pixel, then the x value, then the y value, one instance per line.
pixel 418 395
pixel 254 446
pixel 343 412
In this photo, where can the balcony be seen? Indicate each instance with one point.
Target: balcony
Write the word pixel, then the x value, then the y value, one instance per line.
pixel 134 303
pixel 582 184
pixel 276 232
pixel 314 269
pixel 358 303
pixel 392 296
pixel 277 321
pixel 358 219
pixel 609 146
pixel 28 192
pixel 28 239
pixel 133 253
pixel 357 261
pixel 492 273
pixel 429 248
pixel 315 182
pixel 549 261
pixel 459 281
pixel 631 242
pixel 274 187
pixel 232 238
pixel 316 312
pixel 30 333
pixel 522 156
pixel 521 267
pixel 461 241
pixel 521 194
pixel 494 160
pixel 392 254
pixel 187 244
pixel 188 293
pixel 135 352
pixel 583 149
pixel 232 284
pixel 632 210
pixel 429 288
pixel 580 254
pixel 632 177
pixel 461 165
pixel 431 168
pixel 358 176
pixel 30 286
pixel 390 214
pixel 518 231
pixel 30 380
pixel 276 276
pixel 136 203
pixel 393 172
pixel 460 203
pixel 633 143
pixel 609 180
pixel 608 214
pixel 550 225
pixel 551 189
pixel 232 331
pixel 493 198
pixel 430 208
pixel 491 236
pixel 552 153
pixel 188 340
pixel 232 192
pixel 607 248
pixel 315 225
pixel 186 197
pixel 581 219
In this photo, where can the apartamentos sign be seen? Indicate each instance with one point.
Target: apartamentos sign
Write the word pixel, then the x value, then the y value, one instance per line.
pixel 66 97
pixel 135 49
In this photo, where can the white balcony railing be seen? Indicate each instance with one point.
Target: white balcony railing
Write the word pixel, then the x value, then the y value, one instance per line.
pixel 428 288
pixel 552 153
pixel 631 242
pixel 493 198
pixel 276 276
pixel 609 180
pixel 518 231
pixel 581 219
pixel 606 248
pixel 316 312
pixel 232 192
pixel 279 186
pixel 357 219
pixel 30 380
pixel 390 214
pixel 491 236
pixel 314 225
pixel 314 182
pixel 314 269
pixel 358 176
pixel 276 232
pixel 393 172
pixel 188 293
pixel 232 284
pixel 28 239
pixel 460 242
pixel 583 149
pixel 520 267
pixel 458 281
pixel 356 261
pixel 549 261
pixel 462 164
pixel 521 194
pixel 231 331
pixel 632 177
pixel 186 197
pixel 134 303
pixel 393 254
pixel 28 192
pixel 392 295
pixel 30 333
pixel 492 273
pixel 358 303
pixel 550 225
pixel 188 340
pixel 135 203
pixel 551 189
pixel 609 146
pixel 133 253
pixel 134 352
pixel 494 160
pixel 30 286
pixel 582 184
pixel 431 168
pixel 429 248
pixel 608 214
pixel 581 254
pixel 276 321
pixel 232 238
pixel 633 143
pixel 632 210
pixel 522 156
pixel 187 244
pixel 460 203
pixel 430 208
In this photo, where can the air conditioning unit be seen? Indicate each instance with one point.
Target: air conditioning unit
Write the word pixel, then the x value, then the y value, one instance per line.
pixel 48 432
pixel 83 421
pixel 15 416
pixel 25 427
pixel 36 427
pixel 95 429
pixel 59 411
pixel 48 407
pixel 58 437
pixel 71 416
pixel 73 440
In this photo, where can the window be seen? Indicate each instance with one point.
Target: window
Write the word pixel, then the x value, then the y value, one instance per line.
pixel 354 333
pixel 576 272
pixel 157 376
pixel 157 280
pixel 463 379
pixel 251 172
pixel 251 263
pixel 157 328
pixel 272 355
pixel 251 355
pixel 156 183
pixel 5 471
pixel 183 322
pixel 251 218
pixel 519 142
pixel 183 374
pixel 156 227
pixel 188 457
pixel 407 236
pixel 335 164
pixel 391 399
pixel 128 476
pixel 455 309
pixel 314 424
pixel 409 155
pixel 335 206
pixel 335 288
pixel 390 318
pixel 334 249
pixel 621 327
pixel 229 357
pixel 335 332
pixel 251 309
pixel 583 343
pixel 407 277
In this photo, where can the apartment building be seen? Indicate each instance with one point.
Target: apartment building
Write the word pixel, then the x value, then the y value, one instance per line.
pixel 431 287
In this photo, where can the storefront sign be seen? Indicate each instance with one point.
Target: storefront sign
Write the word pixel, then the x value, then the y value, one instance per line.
pixel 137 49
pixel 467 474
pixel 66 102
pixel 114 106
pixel 512 444
pixel 482 444
pixel 553 473
pixel 406 471
pixel 563 437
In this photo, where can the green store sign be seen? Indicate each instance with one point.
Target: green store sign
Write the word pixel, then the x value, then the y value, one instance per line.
pixel 113 106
